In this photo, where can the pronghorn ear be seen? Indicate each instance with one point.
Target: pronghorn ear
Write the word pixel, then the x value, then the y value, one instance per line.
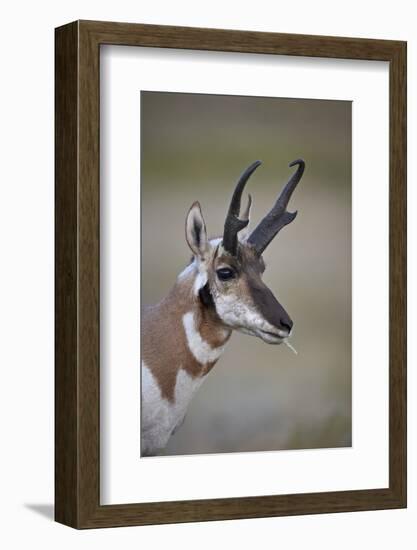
pixel 195 231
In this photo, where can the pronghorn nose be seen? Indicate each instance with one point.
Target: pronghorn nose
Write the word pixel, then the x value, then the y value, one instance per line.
pixel 286 324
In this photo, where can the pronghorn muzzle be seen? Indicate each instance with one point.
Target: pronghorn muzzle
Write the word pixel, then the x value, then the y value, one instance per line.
pixel 270 309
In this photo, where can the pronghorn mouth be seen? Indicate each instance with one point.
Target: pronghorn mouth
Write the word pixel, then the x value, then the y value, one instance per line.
pixel 271 337
pixel 274 338
pixel 274 334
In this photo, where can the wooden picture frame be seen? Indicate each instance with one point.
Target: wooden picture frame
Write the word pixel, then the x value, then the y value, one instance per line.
pixel 77 373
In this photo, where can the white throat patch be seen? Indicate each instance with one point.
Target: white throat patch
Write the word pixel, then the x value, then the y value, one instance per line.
pixel 200 349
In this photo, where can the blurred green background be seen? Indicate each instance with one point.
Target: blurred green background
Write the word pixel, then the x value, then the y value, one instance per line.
pixel 194 147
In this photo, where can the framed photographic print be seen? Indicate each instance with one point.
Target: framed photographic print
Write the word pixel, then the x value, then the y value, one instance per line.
pixel 230 274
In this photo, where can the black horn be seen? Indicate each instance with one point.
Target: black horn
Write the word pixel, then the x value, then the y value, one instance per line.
pixel 278 217
pixel 233 223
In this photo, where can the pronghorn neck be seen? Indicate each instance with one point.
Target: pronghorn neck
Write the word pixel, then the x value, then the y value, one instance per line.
pixel 182 337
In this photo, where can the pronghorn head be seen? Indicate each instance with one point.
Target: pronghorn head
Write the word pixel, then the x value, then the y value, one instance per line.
pixel 229 269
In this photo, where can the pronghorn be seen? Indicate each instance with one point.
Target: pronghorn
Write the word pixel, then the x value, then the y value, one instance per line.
pixel 221 290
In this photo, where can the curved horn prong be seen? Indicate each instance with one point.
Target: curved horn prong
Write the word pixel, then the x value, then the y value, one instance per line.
pixel 277 217
pixel 233 223
pixel 246 212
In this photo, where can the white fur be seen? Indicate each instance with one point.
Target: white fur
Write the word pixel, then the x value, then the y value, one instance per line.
pixel 216 242
pixel 236 313
pixel 200 280
pixel 202 277
pixel 160 417
pixel 201 350
pixel 189 270
pixel 244 317
pixel 198 270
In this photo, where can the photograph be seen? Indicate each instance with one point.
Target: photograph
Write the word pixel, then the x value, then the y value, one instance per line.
pixel 209 259
pixel 245 274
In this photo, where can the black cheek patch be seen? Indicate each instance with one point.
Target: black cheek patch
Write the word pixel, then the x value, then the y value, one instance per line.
pixel 206 297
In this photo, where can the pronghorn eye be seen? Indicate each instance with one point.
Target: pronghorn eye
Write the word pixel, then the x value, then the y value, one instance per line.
pixel 225 273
